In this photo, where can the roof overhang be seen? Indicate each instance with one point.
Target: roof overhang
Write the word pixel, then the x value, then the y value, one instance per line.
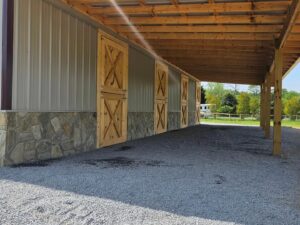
pixel 214 40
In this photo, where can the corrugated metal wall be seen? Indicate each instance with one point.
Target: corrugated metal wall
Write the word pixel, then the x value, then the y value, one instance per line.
pixel 140 82
pixel 54 59
pixel 174 90
pixel 192 95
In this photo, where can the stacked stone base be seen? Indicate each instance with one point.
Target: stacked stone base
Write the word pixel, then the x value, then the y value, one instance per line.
pixel 192 118
pixel 30 137
pixel 173 121
pixel 140 125
pixel 27 137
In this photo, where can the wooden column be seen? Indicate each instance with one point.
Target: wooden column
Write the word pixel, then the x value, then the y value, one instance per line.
pixel 267 105
pixel 262 106
pixel 277 102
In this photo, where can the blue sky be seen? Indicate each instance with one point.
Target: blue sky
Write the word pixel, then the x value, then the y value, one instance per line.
pixel 291 82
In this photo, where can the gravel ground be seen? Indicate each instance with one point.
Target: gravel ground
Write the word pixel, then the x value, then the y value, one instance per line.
pixel 200 175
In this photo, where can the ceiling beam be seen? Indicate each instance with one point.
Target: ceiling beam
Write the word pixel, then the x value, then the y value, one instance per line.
pixel 290 20
pixel 220 19
pixel 203 29
pixel 233 7
pixel 206 36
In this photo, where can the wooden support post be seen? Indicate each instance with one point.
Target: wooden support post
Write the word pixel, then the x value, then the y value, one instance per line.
pixel 262 105
pixel 267 105
pixel 277 102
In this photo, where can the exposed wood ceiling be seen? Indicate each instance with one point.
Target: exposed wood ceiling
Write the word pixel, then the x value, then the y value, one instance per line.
pixel 229 41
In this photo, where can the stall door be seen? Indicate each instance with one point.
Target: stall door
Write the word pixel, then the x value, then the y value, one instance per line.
pixel 184 100
pixel 161 98
pixel 112 91
pixel 198 102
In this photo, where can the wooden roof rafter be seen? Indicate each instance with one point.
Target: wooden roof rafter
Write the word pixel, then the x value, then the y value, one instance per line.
pixel 232 30
pixel 289 38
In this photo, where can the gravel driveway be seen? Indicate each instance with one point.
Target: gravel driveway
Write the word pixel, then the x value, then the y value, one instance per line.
pixel 200 175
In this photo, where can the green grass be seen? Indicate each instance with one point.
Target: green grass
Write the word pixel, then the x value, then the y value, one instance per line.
pixel 285 123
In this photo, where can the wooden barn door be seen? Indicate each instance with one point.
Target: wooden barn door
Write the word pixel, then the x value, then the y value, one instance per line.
pixel 198 102
pixel 161 98
pixel 112 91
pixel 184 101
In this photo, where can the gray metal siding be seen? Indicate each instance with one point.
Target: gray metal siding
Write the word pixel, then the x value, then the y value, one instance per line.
pixel 174 90
pixel 192 95
pixel 140 82
pixel 55 56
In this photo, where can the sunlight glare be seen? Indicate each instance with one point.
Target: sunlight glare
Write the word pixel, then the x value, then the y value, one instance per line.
pixel 134 29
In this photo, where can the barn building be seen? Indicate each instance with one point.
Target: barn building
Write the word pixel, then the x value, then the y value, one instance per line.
pixel 77 75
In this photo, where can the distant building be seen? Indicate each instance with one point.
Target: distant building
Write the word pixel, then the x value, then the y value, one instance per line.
pixel 206 109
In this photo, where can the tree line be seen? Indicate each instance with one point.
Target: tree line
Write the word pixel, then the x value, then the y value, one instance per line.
pixel 246 102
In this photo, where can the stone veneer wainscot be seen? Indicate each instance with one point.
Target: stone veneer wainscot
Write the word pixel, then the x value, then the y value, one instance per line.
pixel 32 136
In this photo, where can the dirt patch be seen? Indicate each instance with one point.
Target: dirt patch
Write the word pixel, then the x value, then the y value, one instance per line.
pixel 219 179
pixel 35 164
pixel 123 162
pixel 124 148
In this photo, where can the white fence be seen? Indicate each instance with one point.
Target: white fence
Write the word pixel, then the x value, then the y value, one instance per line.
pixel 231 116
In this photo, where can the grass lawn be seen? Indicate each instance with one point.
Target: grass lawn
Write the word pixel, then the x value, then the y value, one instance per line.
pixel 285 123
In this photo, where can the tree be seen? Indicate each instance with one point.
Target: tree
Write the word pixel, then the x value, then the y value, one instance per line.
pixel 203 95
pixel 254 105
pixel 254 90
pixel 229 100
pixel 292 106
pixel 214 94
pixel 226 109
pixel 243 106
pixel 286 96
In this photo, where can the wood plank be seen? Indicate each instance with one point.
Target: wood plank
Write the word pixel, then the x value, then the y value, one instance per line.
pixel 233 7
pixel 203 29
pixel 198 102
pixel 221 19
pixel 184 101
pixel 218 50
pixel 262 104
pixel 112 88
pixel 290 20
pixel 267 104
pixel 220 43
pixel 206 36
pixel 277 103
pixel 161 97
pixel 210 77
pixel 200 52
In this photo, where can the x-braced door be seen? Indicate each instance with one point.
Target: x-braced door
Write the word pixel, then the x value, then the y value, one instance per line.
pixel 112 91
pixel 184 101
pixel 198 102
pixel 161 98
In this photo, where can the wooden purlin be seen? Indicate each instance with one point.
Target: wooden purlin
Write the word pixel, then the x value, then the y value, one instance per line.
pixel 229 28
